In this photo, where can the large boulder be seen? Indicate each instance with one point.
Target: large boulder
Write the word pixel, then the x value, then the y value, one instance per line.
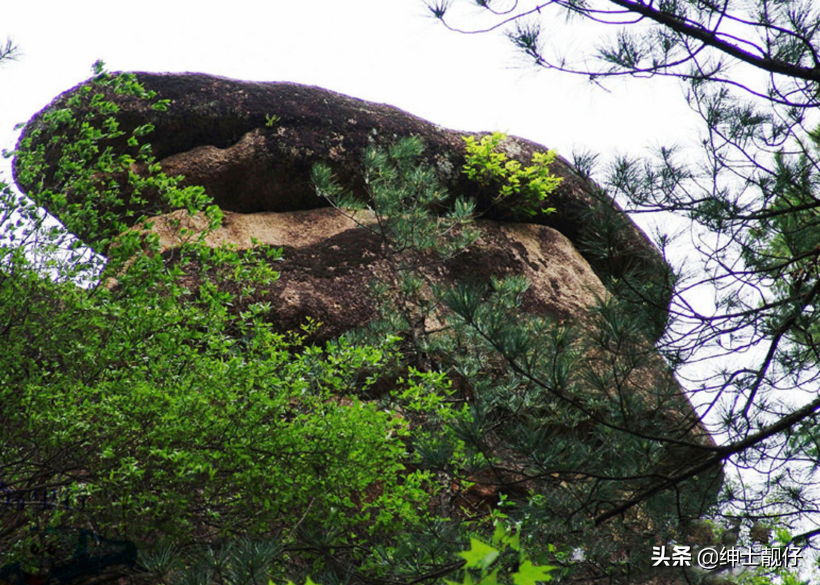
pixel 252 146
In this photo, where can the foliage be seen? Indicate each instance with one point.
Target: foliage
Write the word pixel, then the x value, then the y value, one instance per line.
pixel 8 51
pixel 524 189
pixel 166 404
pixel 724 44
pixel 409 207
pixel 744 336
pixel 162 396
pixel 562 420
pixel 93 169
pixel 482 557
pixel 406 197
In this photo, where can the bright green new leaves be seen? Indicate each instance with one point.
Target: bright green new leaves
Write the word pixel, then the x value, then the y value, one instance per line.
pixel 481 557
pixel 169 419
pixel 104 179
pixel 166 399
pixel 523 188
pixel 529 574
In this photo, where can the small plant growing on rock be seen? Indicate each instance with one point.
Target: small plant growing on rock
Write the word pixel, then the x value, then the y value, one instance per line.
pixel 524 188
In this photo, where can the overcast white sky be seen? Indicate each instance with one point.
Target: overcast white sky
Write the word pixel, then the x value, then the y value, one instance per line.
pixel 389 51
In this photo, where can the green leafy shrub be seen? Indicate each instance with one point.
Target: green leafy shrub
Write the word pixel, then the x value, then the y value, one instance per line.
pixel 103 179
pixel 159 395
pixel 523 188
pixel 502 561
pixel 484 562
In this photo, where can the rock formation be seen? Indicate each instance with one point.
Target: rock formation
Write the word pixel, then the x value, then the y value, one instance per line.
pixel 329 261
pixel 252 146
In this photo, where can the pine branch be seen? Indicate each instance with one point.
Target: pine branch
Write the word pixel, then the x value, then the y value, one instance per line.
pixel 722 454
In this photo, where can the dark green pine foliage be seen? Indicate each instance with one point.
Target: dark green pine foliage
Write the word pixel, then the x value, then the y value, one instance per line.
pixel 743 320
pixel 562 422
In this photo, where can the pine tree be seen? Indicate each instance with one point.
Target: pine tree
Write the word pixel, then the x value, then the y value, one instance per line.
pixel 752 73
pixel 575 427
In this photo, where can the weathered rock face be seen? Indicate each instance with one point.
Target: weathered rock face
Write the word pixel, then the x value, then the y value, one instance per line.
pixel 252 146
pixel 330 260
